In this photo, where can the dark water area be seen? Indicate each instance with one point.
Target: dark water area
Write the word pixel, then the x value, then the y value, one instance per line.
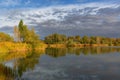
pixel 100 63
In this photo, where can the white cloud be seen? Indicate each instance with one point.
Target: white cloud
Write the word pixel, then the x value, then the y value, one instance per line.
pixel 38 15
pixel 80 19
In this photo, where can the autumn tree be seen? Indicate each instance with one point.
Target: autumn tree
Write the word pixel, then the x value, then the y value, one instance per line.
pixel 31 36
pixel 5 37
pixel 23 34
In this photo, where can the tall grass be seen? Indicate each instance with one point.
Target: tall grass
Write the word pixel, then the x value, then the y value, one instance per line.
pixel 11 47
pixel 6 47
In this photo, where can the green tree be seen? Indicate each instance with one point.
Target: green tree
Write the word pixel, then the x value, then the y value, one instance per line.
pixel 21 29
pixel 93 40
pixel 77 39
pixel 55 38
pixel 72 38
pixel 24 34
pixel 85 40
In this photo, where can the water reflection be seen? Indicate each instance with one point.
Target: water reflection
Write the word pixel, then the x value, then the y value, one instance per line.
pixel 56 52
pixel 20 64
pixel 28 63
pixel 6 73
pixel 71 68
pixel 59 52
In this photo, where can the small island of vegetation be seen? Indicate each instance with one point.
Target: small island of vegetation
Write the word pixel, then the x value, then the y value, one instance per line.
pixel 25 39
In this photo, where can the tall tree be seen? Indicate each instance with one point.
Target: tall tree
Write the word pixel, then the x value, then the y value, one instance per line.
pixel 24 34
pixel 20 26
pixel 22 29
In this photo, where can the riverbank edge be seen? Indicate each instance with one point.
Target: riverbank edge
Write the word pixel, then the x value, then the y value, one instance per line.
pixel 6 47
pixel 79 45
pixel 9 47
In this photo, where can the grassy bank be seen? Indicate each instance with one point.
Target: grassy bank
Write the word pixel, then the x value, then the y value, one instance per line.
pixel 6 47
pixel 11 50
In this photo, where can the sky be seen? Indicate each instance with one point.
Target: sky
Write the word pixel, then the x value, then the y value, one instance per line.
pixel 13 4
pixel 70 17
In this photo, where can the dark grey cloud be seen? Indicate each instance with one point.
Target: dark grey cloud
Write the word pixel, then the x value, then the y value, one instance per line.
pixel 105 23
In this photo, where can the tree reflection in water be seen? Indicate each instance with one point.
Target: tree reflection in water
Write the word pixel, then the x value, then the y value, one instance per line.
pixel 59 52
pixel 56 52
pixel 6 73
pixel 20 66
pixel 31 59
pixel 28 63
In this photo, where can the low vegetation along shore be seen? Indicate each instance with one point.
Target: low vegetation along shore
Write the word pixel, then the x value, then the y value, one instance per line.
pixel 6 47
pixel 25 39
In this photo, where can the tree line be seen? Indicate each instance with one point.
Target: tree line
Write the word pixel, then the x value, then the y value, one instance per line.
pixel 25 35
pixel 61 38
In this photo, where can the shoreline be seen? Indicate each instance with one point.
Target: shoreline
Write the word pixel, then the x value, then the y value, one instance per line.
pixel 9 47
pixel 79 45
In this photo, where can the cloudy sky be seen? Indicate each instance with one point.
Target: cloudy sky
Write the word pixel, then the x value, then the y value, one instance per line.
pixel 70 17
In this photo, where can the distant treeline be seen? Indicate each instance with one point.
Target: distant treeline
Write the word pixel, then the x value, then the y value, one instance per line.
pixel 71 40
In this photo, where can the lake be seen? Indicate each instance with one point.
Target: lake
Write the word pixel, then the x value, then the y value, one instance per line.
pixel 100 63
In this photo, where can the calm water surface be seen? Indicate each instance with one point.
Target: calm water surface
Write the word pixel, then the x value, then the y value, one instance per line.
pixel 100 63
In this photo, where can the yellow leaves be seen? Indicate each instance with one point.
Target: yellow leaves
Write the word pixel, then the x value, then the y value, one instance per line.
pixel 6 47
pixel 12 47
pixel 15 55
